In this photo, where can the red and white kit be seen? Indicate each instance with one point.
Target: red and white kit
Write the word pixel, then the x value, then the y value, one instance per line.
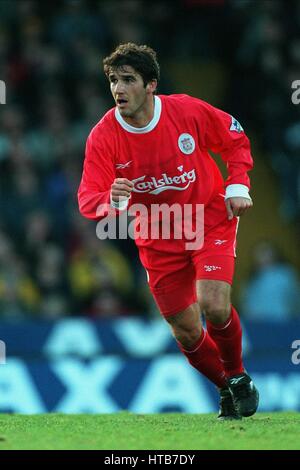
pixel 168 162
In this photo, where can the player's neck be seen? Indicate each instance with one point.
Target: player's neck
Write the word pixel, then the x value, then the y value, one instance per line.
pixel 143 116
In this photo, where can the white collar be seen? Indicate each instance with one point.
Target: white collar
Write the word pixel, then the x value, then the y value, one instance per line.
pixel 141 130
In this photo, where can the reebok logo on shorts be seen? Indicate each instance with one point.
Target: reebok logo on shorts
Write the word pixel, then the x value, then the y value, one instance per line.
pixel 208 268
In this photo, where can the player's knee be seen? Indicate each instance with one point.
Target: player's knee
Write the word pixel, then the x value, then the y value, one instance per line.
pixel 217 316
pixel 187 335
pixel 186 326
pixel 188 339
pixel 217 312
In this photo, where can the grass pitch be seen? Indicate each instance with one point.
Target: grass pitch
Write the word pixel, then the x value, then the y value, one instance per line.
pixel 128 431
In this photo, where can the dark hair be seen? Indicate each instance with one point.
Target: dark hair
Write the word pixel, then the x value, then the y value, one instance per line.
pixel 141 58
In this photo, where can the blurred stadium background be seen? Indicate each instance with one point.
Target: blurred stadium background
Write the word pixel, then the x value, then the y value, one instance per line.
pixel 81 331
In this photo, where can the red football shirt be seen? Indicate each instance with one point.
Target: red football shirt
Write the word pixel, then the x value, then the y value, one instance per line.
pixel 167 160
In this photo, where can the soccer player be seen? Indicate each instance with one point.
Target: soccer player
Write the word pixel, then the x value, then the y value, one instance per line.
pixel 153 149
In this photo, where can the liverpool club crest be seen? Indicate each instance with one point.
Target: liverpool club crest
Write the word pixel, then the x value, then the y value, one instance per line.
pixel 186 143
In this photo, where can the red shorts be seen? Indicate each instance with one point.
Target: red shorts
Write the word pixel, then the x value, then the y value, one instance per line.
pixel 172 270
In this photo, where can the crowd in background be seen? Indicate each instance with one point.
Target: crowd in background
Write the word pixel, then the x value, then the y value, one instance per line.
pixel 267 63
pixel 51 263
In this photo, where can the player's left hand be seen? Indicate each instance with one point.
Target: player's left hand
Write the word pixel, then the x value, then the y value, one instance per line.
pixel 236 206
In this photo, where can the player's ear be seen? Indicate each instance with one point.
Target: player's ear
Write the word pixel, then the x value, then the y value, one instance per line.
pixel 151 86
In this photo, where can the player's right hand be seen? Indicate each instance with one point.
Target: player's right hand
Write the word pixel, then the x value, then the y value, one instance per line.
pixel 121 189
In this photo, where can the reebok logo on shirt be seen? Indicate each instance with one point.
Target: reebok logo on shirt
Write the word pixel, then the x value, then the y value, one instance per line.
pixel 120 166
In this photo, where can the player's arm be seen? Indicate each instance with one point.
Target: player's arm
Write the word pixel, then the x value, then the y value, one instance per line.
pixel 99 188
pixel 225 136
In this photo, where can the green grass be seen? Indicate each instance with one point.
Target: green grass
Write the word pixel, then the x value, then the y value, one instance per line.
pixel 127 431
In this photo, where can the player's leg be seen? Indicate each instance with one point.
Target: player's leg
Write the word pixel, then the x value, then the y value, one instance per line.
pixel 196 344
pixel 214 265
pixel 202 353
pixel 171 278
pixel 223 325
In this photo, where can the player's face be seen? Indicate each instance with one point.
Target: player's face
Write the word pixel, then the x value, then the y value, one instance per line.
pixel 129 92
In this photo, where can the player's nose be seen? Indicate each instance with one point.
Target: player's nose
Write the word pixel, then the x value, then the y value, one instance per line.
pixel 119 88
